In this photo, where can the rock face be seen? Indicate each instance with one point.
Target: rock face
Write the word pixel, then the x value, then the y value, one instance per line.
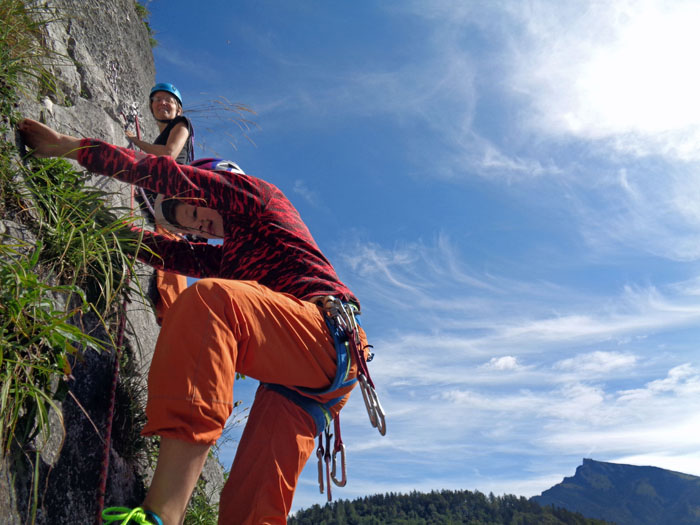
pixel 627 494
pixel 104 71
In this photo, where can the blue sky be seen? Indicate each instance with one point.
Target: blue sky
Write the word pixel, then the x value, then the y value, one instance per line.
pixel 512 190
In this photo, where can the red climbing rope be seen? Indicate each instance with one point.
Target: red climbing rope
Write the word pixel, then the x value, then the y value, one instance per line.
pixel 121 328
pixel 102 487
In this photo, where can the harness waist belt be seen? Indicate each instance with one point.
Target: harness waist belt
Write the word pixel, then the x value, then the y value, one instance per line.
pixel 304 397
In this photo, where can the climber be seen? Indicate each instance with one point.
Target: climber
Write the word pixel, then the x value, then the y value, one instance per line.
pixel 255 311
pixel 176 130
pixel 175 140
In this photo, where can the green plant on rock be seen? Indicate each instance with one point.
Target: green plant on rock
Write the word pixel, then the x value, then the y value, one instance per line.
pixel 22 53
pixel 85 247
pixel 143 13
pixel 201 510
pixel 86 243
pixel 78 266
pixel 38 343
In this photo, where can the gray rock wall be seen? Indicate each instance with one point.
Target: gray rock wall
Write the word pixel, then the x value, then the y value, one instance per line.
pixel 105 70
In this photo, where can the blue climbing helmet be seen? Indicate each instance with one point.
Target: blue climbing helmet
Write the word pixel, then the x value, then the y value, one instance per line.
pixel 168 88
pixel 216 165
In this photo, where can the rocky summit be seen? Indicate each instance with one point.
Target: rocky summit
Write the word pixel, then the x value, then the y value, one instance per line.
pixel 628 494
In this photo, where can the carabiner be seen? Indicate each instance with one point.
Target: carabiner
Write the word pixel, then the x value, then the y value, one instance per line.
pixel 380 416
pixel 374 408
pixel 344 474
pixel 327 459
pixel 319 455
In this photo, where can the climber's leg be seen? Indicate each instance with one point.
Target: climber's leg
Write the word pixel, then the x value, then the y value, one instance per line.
pixel 215 328
pixel 179 466
pixel 276 443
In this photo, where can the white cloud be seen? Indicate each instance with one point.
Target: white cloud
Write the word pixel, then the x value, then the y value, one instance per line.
pixel 549 422
pixel 648 208
pixel 598 362
pixel 507 362
pixel 498 379
pixel 302 190
pixel 416 276
pixel 681 380
pixel 618 70
pixel 687 463
pixel 614 81
pixel 438 307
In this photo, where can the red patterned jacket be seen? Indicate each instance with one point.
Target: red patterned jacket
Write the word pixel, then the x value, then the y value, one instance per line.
pixel 265 241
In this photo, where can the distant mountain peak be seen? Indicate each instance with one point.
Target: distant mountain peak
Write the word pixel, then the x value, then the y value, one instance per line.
pixel 628 494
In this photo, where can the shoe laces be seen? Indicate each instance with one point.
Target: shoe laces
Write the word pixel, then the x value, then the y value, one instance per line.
pixel 136 516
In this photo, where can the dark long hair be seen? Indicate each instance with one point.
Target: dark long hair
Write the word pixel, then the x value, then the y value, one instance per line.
pixel 169 206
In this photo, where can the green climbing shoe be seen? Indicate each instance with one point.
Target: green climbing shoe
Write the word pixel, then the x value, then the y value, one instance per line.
pixel 123 516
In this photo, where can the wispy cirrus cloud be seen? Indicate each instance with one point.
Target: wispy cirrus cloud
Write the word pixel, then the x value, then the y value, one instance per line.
pixel 647 208
pixel 597 362
pixel 505 367
pixel 533 370
pixel 432 289
pixel 541 416
pixel 302 189
pixel 539 420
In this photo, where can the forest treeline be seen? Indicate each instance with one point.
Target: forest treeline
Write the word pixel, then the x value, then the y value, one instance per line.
pixel 445 507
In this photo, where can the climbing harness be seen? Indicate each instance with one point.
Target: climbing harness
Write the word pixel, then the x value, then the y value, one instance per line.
pixel 342 320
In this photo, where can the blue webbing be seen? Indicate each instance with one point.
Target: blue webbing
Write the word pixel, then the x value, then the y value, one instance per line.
pixel 320 412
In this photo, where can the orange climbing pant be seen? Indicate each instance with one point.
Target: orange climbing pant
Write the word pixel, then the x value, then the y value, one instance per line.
pixel 219 327
pixel 169 285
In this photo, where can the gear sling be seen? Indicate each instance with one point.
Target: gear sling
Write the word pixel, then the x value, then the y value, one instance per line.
pixel 342 320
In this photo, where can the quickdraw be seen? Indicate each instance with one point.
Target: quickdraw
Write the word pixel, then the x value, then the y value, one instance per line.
pixel 330 459
pixel 343 317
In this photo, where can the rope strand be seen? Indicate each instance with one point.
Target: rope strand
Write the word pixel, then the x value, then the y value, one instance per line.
pixel 121 328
